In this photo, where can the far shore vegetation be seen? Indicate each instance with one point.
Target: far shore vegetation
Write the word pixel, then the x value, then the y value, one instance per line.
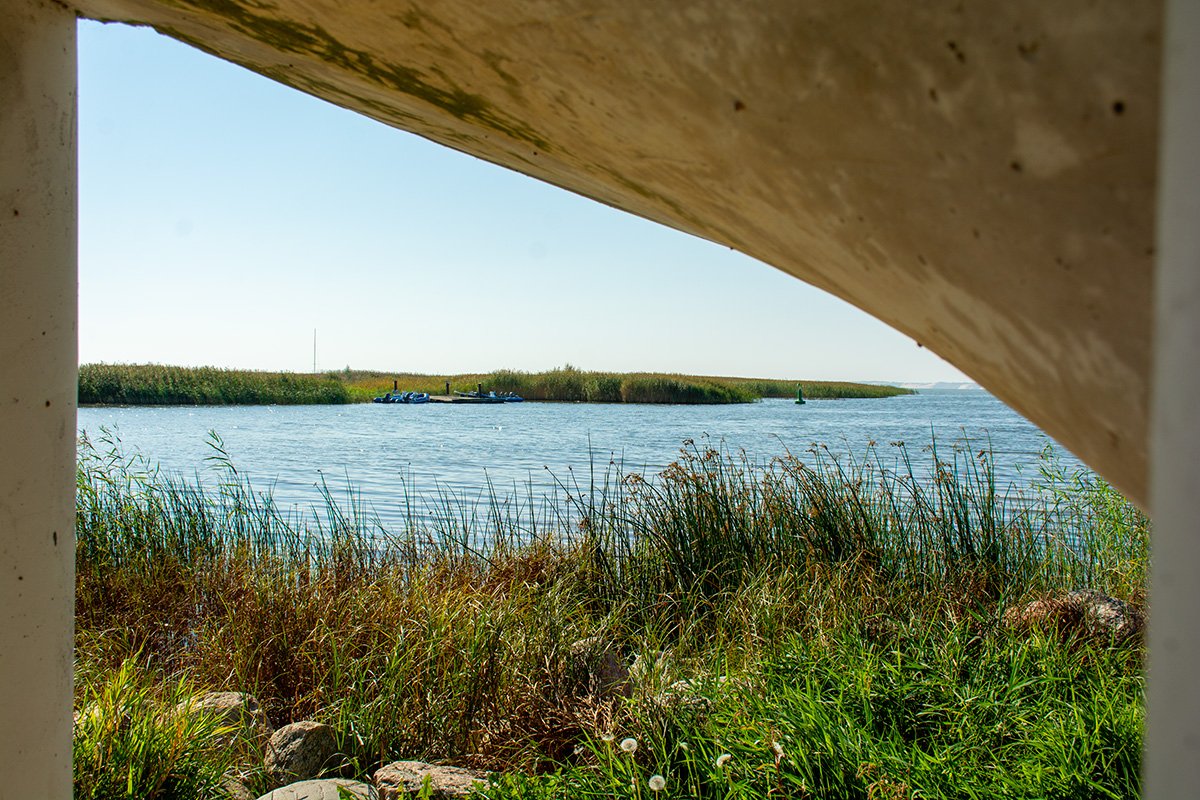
pixel 816 627
pixel 154 384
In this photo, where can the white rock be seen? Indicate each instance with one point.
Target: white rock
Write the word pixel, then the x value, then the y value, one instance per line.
pixel 301 750
pixel 233 710
pixel 323 790
pixel 402 779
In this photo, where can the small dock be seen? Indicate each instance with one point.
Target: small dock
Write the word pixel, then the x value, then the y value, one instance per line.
pixel 463 399
pixel 477 397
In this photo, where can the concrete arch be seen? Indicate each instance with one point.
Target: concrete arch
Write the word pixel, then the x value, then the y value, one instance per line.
pixel 979 176
pixel 982 176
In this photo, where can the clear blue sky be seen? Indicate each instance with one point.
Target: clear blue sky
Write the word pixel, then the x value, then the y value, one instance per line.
pixel 223 217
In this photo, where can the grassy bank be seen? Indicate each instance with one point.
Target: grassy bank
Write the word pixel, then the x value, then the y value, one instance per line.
pixel 152 384
pixel 837 624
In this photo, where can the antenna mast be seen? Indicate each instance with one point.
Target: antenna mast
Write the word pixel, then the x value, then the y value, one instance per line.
pixel 314 351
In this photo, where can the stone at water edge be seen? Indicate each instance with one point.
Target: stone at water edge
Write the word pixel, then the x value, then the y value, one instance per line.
pixel 596 665
pixel 402 779
pixel 1083 611
pixel 236 790
pixel 323 790
pixel 681 696
pixel 1104 615
pixel 300 751
pixel 1044 612
pixel 236 710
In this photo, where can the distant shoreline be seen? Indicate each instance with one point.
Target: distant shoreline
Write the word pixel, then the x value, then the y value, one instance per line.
pixel 156 384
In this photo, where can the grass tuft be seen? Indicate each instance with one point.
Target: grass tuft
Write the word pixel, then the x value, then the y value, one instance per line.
pixel 132 741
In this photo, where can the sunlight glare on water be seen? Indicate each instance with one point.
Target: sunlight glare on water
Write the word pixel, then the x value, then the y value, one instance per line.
pixel 385 452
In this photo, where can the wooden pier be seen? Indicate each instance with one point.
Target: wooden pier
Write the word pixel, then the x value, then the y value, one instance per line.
pixel 464 399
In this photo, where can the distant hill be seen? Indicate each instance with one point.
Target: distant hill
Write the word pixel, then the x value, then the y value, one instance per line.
pixel 943 386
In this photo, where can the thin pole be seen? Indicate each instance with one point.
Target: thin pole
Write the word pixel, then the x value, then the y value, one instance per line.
pixel 314 351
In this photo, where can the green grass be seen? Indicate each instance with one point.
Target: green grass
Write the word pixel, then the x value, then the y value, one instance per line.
pixel 153 384
pixel 845 608
pixel 131 740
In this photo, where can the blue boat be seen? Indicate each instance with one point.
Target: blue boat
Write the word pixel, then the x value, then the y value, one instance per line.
pixel 479 397
pixel 402 397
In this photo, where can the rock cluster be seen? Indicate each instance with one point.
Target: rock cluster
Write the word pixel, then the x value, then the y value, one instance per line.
pixel 302 753
pixel 396 781
pixel 299 754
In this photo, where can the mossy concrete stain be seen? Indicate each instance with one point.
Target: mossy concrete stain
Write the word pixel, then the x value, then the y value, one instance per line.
pixel 291 37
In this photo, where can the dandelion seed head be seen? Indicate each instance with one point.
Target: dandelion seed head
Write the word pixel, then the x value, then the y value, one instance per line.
pixel 629 745
pixel 657 783
pixel 723 759
pixel 778 749
pixel 607 738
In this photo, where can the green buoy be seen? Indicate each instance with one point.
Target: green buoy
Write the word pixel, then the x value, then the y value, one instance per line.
pixel 799 396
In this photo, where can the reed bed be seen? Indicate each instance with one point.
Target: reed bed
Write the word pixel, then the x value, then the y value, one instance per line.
pixel 837 622
pixel 156 384
pixel 818 390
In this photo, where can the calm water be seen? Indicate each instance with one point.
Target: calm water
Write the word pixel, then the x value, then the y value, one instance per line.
pixel 386 451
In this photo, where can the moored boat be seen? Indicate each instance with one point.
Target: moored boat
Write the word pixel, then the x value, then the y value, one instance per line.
pixel 402 397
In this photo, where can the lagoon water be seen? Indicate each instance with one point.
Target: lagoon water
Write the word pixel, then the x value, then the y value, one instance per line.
pixel 390 452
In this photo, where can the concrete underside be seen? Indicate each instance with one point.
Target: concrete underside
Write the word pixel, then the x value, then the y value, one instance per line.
pixel 979 175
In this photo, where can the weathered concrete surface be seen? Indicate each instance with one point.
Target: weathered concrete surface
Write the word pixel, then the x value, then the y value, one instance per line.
pixel 979 175
pixel 1172 761
pixel 38 386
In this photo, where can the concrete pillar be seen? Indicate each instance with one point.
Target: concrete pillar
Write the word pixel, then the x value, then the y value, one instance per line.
pixel 38 365
pixel 1173 707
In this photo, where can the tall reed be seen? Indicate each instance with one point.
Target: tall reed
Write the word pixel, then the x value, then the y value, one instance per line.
pixel 156 384
pixel 808 579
